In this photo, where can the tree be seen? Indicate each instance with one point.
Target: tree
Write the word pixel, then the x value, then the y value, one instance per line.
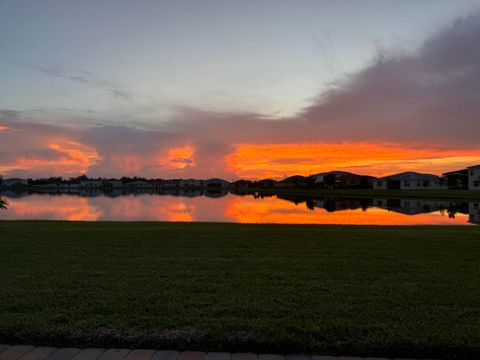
pixel 3 203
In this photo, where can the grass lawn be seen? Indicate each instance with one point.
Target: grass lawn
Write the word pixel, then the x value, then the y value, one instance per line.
pixel 384 291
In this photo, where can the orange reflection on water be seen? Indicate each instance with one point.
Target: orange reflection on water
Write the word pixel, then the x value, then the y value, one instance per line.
pixel 230 208
pixel 52 208
pixel 275 210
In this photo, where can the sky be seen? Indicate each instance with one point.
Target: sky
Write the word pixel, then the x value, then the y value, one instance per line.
pixel 250 89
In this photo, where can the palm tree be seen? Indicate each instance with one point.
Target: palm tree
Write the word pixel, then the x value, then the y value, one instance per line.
pixel 3 203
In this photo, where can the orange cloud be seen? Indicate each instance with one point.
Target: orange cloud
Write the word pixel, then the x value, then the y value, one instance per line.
pixel 179 157
pixel 279 160
pixel 68 157
pixel 3 128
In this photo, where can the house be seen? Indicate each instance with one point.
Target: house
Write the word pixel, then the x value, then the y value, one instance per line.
pixel 324 178
pixel 265 183
pixel 354 181
pixel 457 179
pixel 138 184
pixel 464 179
pixel 241 184
pixel 293 181
pixel 216 183
pixel 190 183
pixel 91 184
pixel 409 181
pixel 474 177
pixel 14 182
pixel 171 183
pixel 112 184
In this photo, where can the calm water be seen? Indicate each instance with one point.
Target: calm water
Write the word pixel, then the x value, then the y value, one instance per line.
pixel 230 207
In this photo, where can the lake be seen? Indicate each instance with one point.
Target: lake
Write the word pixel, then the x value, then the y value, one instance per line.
pixel 224 206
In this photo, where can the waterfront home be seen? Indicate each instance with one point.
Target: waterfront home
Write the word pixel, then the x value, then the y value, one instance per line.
pixel 216 183
pixel 14 182
pixel 457 179
pixel 324 178
pixel 464 179
pixel 138 184
pixel 170 183
pixel 409 181
pixel 109 184
pixel 292 182
pixel 474 177
pixel 266 183
pixel 190 183
pixel 91 184
pixel 242 184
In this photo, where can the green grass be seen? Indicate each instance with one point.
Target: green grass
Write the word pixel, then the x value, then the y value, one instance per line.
pixel 378 194
pixel 385 291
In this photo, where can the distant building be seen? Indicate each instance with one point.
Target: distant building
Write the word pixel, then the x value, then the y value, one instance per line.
pixel 474 177
pixel 293 181
pixel 241 184
pixel 320 178
pixel 14 182
pixel 457 179
pixel 465 179
pixel 216 183
pixel 90 184
pixel 109 184
pixel 138 184
pixel 266 183
pixel 191 183
pixel 409 181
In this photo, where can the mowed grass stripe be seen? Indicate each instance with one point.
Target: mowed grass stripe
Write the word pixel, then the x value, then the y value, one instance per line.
pixel 365 290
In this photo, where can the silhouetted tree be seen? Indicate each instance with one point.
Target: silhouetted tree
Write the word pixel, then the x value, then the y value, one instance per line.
pixel 3 203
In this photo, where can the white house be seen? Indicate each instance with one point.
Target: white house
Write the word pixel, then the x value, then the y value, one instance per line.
pixel 409 181
pixel 474 177
pixel 14 182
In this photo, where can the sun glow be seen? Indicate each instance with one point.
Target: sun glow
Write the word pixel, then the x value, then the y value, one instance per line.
pixel 280 160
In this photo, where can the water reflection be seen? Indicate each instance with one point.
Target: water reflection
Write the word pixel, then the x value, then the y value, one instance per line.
pixel 224 206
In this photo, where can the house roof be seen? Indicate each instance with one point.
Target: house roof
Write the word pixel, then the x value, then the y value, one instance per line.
pixel 294 178
pixel 217 180
pixel 473 167
pixel 464 171
pixel 336 173
pixel 410 175
pixel 266 180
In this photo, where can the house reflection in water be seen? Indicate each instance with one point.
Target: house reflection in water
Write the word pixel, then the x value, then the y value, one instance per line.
pixel 474 213
pixel 221 205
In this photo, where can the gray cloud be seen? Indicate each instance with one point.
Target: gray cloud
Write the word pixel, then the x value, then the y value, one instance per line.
pixel 428 98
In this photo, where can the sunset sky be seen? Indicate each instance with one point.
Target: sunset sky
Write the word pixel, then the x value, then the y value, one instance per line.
pixel 238 89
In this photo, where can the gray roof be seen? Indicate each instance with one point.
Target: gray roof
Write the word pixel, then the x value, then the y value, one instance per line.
pixel 336 173
pixel 410 175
